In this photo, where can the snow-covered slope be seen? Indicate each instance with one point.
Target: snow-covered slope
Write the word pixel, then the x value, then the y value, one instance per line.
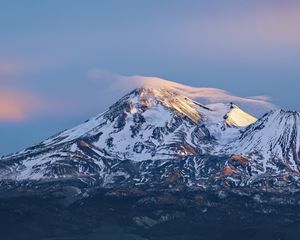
pixel 148 124
pixel 145 124
pixel 272 143
pixel 156 136
pixel 225 120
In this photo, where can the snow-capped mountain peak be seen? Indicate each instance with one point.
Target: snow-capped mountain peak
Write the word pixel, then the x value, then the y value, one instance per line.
pixel 273 140
pixel 145 103
pixel 236 117
pixel 150 96
pixel 146 124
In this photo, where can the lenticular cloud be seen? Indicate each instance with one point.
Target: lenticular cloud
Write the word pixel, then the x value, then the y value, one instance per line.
pixel 257 105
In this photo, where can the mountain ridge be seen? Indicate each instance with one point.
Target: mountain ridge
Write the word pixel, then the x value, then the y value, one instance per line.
pixel 276 134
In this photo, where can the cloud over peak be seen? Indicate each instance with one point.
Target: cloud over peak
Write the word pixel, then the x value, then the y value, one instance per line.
pixel 257 105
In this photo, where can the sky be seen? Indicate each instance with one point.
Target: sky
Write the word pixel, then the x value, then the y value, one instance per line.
pixel 63 61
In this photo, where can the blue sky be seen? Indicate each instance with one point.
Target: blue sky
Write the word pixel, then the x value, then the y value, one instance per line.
pixel 50 49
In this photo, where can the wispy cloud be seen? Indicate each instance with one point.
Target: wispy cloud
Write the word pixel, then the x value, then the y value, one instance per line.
pixel 256 105
pixel 17 106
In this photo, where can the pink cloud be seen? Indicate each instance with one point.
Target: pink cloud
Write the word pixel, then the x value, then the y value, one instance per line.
pixel 19 105
pixel 268 27
pixel 278 25
pixel 16 105
pixel 267 31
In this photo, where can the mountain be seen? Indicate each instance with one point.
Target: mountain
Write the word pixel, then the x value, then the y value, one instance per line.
pixel 158 138
pixel 145 124
pixel 154 160
pixel 272 144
